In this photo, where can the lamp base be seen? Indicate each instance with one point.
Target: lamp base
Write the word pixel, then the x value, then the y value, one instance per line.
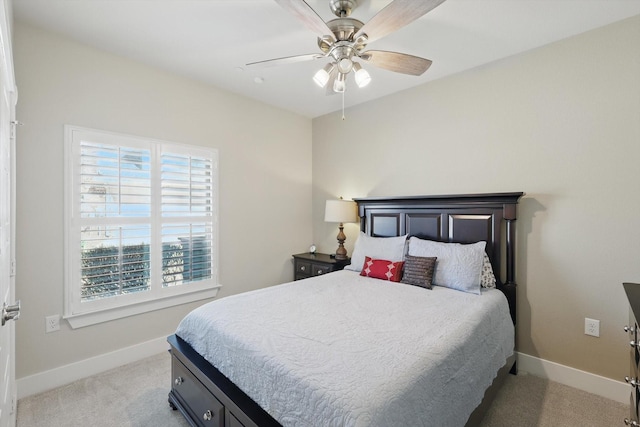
pixel 341 252
pixel 340 257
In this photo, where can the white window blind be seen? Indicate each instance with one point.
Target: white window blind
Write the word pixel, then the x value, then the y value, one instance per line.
pixel 114 181
pixel 186 185
pixel 115 261
pixel 186 192
pixel 141 220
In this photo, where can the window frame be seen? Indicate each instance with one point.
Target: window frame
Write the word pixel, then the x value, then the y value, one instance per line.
pixel 80 314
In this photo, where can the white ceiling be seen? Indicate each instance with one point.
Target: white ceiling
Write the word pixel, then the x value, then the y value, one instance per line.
pixel 212 40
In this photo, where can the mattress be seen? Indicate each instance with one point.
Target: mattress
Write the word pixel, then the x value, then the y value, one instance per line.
pixel 342 349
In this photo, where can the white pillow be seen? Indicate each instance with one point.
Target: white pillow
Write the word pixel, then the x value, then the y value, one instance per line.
pixel 458 266
pixel 387 248
pixel 488 279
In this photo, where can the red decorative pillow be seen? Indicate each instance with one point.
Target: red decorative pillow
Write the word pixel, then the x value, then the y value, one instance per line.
pixel 382 269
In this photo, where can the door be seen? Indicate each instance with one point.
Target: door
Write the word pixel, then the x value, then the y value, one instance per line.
pixel 9 310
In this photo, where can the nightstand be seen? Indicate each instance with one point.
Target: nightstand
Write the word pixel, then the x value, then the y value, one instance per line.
pixel 307 265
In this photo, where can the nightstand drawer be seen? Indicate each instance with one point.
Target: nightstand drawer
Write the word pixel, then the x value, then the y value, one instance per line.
pixel 308 265
pixel 303 268
pixel 317 270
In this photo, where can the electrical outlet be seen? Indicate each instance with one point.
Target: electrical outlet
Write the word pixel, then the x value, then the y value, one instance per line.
pixel 591 327
pixel 52 323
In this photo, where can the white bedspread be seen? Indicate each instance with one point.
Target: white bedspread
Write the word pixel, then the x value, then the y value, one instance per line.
pixel 345 350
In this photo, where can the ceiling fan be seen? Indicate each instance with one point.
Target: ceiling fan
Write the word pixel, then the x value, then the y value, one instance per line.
pixel 344 39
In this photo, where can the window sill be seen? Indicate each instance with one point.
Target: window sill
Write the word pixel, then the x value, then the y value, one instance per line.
pixel 87 319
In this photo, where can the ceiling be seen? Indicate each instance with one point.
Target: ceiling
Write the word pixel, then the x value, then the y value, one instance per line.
pixel 212 40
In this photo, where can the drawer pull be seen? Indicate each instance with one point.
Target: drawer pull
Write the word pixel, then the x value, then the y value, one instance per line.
pixel 629 329
pixel 632 381
pixel 207 416
pixel 178 381
pixel 302 268
pixel 629 422
pixel 634 344
pixel 320 272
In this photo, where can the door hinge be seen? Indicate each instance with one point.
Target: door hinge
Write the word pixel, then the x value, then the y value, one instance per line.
pixel 12 268
pixel 14 123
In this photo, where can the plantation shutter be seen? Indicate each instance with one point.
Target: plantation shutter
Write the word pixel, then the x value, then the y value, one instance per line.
pixel 187 206
pixel 115 188
pixel 140 224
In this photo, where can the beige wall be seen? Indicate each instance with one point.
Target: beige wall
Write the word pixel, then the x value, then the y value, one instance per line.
pixel 265 182
pixel 561 123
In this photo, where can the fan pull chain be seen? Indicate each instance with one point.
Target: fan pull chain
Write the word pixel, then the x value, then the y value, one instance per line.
pixel 343 103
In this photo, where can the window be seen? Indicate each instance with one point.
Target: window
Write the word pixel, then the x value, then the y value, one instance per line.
pixel 141 225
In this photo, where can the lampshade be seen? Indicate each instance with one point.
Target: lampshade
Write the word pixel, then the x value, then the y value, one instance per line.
pixel 345 65
pixel 340 211
pixel 339 83
pixel 342 67
pixel 362 76
pixel 322 76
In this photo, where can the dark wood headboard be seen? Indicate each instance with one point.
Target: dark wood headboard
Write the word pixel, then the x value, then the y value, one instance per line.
pixel 463 218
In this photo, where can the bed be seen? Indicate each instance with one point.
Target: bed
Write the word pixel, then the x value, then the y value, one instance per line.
pixel 343 349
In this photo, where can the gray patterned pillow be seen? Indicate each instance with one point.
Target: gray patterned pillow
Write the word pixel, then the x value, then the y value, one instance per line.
pixel 418 271
pixel 487 279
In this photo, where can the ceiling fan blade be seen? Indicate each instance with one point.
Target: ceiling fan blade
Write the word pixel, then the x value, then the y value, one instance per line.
pixel 285 60
pixel 394 16
pixel 395 61
pixel 305 14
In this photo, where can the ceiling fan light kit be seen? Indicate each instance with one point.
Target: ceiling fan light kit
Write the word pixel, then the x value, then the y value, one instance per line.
pixel 322 76
pixel 344 39
pixel 339 84
pixel 362 76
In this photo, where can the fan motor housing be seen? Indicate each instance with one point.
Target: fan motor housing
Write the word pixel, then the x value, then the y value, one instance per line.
pixel 344 28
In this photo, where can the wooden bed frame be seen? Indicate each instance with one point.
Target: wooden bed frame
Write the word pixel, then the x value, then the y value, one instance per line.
pixel 207 398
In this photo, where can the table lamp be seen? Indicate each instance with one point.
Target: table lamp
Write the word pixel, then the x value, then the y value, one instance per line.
pixel 340 211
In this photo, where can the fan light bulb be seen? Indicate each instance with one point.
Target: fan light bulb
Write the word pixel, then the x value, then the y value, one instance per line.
pixel 362 76
pixel 322 76
pixel 345 65
pixel 339 83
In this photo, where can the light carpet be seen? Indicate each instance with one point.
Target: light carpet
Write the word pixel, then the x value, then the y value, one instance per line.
pixel 136 395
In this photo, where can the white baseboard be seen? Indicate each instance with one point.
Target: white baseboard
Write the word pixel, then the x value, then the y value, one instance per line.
pixel 47 380
pixel 66 374
pixel 582 380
